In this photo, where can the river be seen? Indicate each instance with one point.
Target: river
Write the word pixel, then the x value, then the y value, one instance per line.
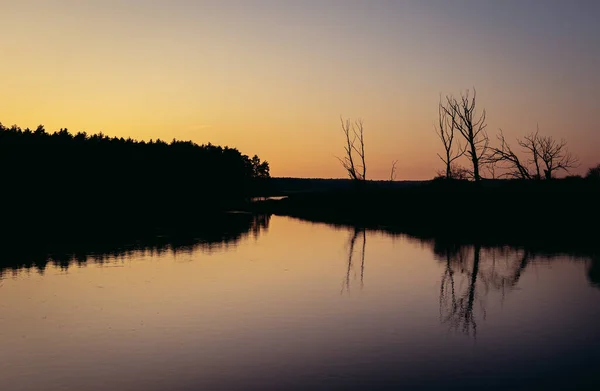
pixel 293 305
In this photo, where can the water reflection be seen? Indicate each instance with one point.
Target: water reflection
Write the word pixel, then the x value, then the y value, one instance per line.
pixel 354 234
pixel 594 271
pixel 213 235
pixel 470 272
pixel 264 311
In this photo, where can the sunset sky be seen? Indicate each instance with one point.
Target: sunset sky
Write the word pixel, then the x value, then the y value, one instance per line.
pixel 273 77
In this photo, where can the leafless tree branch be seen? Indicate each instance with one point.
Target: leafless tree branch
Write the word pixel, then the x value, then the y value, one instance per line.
pixel 472 128
pixel 445 131
pixel 555 156
pixel 505 154
pixel 354 133
pixel 393 171
pixel 544 153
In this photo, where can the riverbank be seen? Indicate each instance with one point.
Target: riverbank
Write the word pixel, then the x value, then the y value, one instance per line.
pixel 543 212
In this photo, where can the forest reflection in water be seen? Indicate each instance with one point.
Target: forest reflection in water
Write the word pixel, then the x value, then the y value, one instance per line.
pixel 256 302
pixel 470 271
pixel 215 234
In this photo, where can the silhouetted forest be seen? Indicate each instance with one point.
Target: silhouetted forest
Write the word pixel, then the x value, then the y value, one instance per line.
pixel 63 180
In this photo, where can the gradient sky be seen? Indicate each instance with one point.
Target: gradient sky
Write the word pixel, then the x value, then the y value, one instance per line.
pixel 273 77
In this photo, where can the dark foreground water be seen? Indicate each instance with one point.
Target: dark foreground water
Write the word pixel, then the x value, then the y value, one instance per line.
pixel 301 306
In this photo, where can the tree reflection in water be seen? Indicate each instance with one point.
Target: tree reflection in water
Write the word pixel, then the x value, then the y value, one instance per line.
pixel 470 274
pixel 354 234
pixel 593 272
pixel 260 223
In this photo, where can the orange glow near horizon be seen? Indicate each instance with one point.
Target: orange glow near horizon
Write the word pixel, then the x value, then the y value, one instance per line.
pixel 273 79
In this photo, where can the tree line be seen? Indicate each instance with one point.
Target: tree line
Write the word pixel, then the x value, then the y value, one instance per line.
pixel 64 174
pixel 463 134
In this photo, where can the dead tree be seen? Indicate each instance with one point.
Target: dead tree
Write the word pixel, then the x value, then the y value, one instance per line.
pixel 471 127
pixel 393 171
pixel 354 159
pixel 445 131
pixel 531 145
pixel 555 156
pixel 544 154
pixel 505 154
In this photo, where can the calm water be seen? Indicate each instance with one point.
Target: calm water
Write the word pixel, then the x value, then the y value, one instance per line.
pixel 295 305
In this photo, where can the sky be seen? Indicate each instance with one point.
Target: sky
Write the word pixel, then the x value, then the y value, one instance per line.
pixel 273 77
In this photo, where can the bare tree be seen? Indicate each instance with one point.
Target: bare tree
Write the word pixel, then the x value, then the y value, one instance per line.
pixel 393 171
pixel 555 156
pixel 471 127
pixel 505 154
pixel 543 154
pixel 531 146
pixel 354 159
pixel 445 131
